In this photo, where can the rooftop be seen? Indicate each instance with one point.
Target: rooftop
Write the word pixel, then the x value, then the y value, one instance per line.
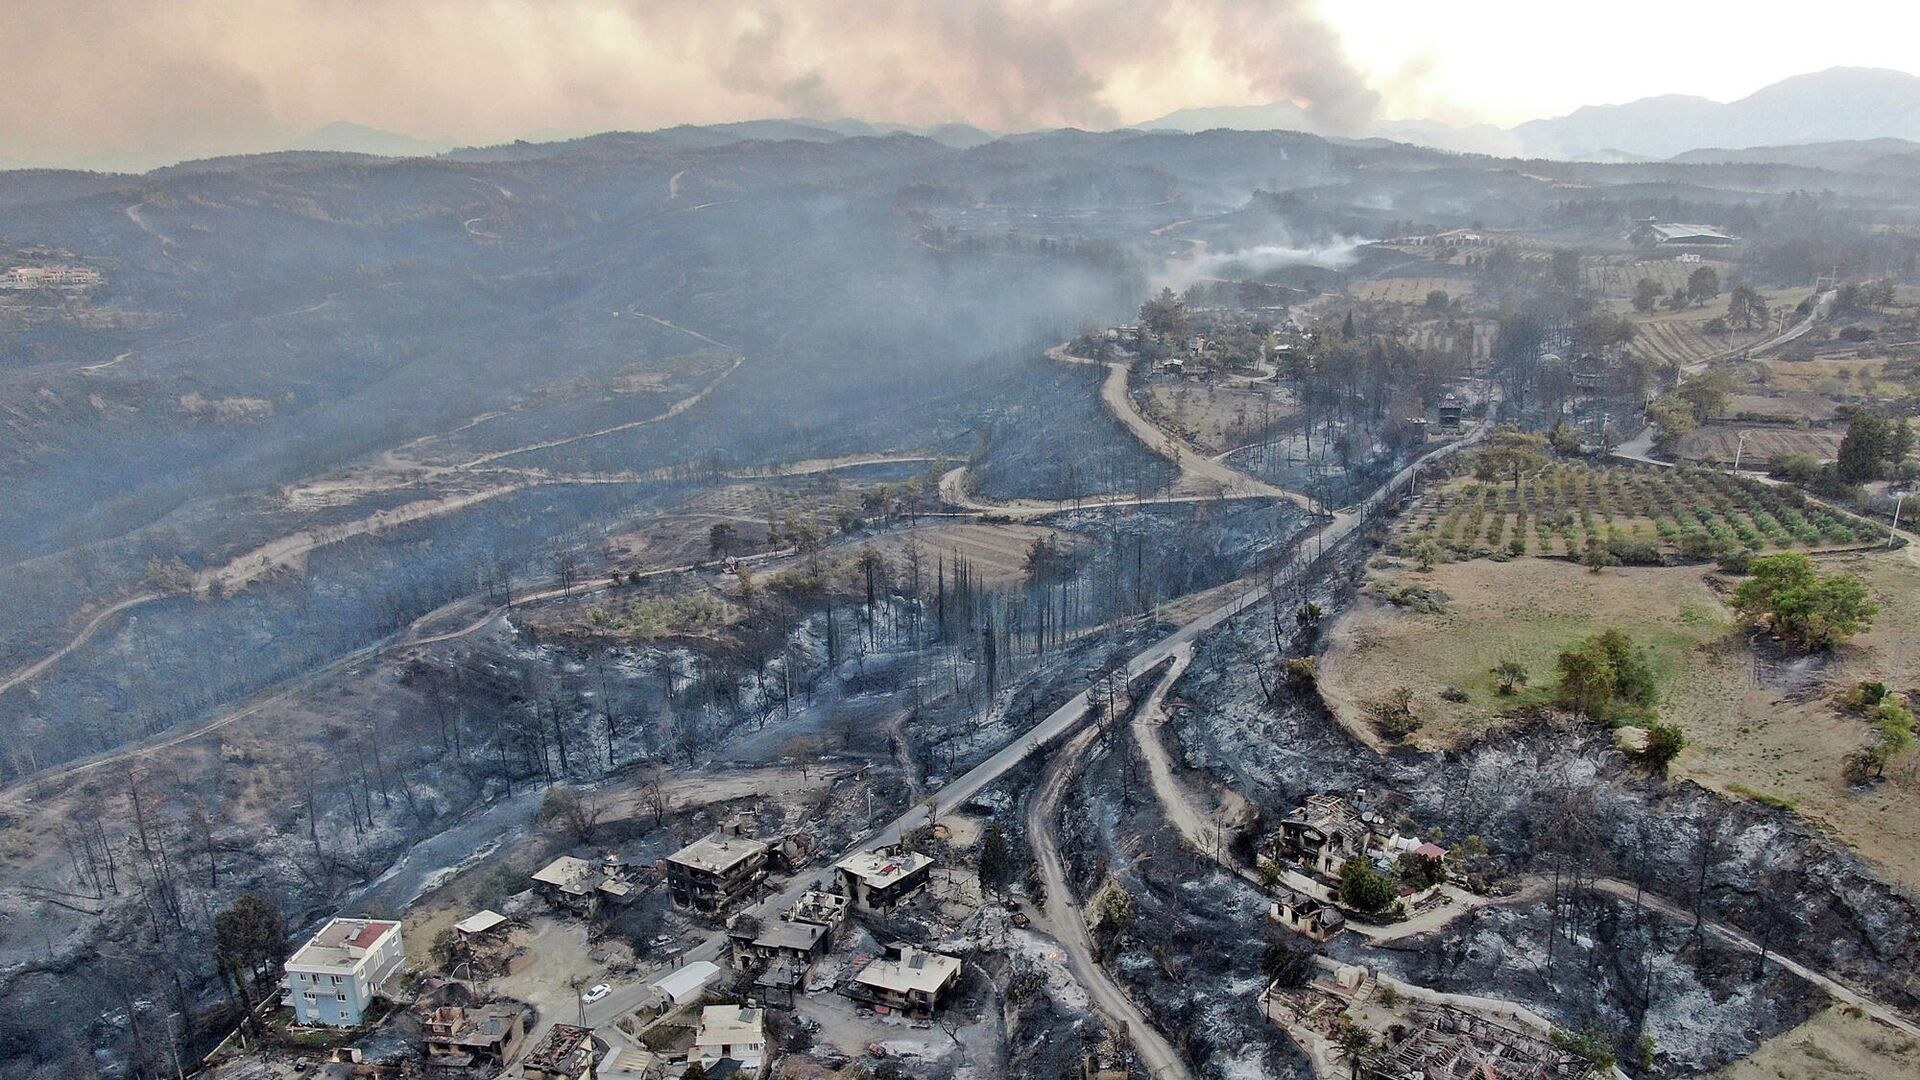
pixel 789 935
pixel 342 943
pixel 479 922
pixel 1328 814
pixel 718 852
pixel 478 1026
pixel 566 873
pixel 730 1025
pixel 681 984
pixel 628 1063
pixel 914 969
pixel 559 1047
pixel 880 869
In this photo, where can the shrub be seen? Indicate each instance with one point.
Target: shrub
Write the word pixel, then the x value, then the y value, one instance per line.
pixel 1365 890
pixel 1664 743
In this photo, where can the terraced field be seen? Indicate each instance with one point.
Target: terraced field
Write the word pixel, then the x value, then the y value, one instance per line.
pixel 1409 290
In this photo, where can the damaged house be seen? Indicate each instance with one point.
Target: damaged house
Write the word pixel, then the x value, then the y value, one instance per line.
pixel 716 872
pixel 577 885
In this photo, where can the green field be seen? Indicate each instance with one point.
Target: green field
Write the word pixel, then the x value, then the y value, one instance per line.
pixel 1557 510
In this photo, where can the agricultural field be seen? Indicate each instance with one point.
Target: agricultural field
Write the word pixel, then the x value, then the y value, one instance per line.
pixel 1559 509
pixel 1681 337
pixel 996 553
pixel 1619 279
pixel 1409 290
pixel 1759 724
pixel 1717 443
pixel 1833 376
pixel 1216 417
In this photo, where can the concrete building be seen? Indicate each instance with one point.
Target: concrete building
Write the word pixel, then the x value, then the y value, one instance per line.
pixel 731 1039
pixel 825 908
pixel 800 943
pixel 716 872
pixel 334 977
pixel 1321 835
pixel 879 880
pixel 906 980
pixel 485 1035
pixel 567 1053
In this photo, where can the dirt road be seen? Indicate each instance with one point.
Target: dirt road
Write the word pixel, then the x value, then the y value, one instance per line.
pixel 1066 921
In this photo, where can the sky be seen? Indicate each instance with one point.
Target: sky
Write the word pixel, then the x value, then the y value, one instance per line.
pixel 117 82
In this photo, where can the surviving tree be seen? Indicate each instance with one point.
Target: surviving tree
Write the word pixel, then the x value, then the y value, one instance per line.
pixel 1803 607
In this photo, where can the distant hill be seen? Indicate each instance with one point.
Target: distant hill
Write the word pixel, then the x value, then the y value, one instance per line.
pixel 1826 106
pixel 345 138
pixel 1846 154
pixel 1832 106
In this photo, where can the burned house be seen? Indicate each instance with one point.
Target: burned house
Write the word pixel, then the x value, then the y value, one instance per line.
pixel 797 943
pixel 906 980
pixel 579 885
pixel 567 1053
pixel 1304 914
pixel 1452 411
pixel 484 1035
pixel 1321 835
pixel 716 872
pixel 823 908
pixel 878 881
pixel 1453 1044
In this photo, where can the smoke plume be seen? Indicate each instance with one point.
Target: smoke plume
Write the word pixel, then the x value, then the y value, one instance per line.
pixel 95 80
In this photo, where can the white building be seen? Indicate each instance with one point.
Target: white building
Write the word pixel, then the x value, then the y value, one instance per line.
pixel 879 880
pixel 906 980
pixel 731 1039
pixel 334 976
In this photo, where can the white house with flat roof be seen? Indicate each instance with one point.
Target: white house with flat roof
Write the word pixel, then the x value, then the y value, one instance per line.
pixel 906 980
pixel 731 1039
pixel 335 975
pixel 878 880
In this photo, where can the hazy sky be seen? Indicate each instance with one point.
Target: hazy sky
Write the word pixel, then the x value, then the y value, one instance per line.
pixel 117 81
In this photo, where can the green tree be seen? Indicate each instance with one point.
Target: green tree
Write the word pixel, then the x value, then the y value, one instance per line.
pixel 1672 420
pixel 1511 456
pixel 1586 679
pixel 1703 285
pixel 1746 308
pixel 1594 1049
pixel 1437 300
pixel 1352 1043
pixel 1803 607
pixel 1868 447
pixel 1364 889
pixel 1646 295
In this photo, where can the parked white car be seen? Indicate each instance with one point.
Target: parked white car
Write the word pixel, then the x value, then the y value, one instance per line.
pixel 596 993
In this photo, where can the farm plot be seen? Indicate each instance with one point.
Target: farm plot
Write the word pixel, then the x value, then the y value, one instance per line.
pixel 995 554
pixel 1621 278
pixel 1409 290
pixel 1216 418
pixel 1765 445
pixel 1562 508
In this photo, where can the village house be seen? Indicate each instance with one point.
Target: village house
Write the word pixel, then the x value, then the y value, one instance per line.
pixel 567 1053
pixel 878 881
pixel 1321 835
pixel 716 872
pixel 1303 914
pixel 906 980
pixel 480 925
pixel 683 987
pixel 487 1035
pixel 824 908
pixel 1453 1044
pixel 334 977
pixel 799 943
pixel 731 1039
pixel 578 885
